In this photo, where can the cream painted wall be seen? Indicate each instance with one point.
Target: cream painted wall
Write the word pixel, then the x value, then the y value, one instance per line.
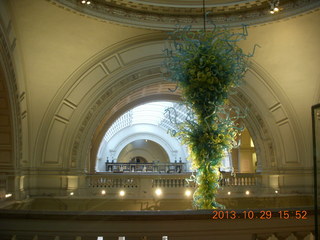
pixel 54 43
pixel 290 53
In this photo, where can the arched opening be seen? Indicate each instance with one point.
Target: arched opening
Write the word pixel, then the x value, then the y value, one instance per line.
pixel 142 135
pixel 143 151
pixel 138 159
pixel 136 81
pixel 142 131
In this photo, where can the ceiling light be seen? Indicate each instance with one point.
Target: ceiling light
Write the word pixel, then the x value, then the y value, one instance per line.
pixel 229 193
pixel 274 6
pixel 72 193
pixel 247 192
pixel 158 192
pixel 122 193
pixel 103 192
pixel 187 193
pixel 86 2
pixel 8 195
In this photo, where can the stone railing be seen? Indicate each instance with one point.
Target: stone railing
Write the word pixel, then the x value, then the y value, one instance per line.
pixel 149 225
pixel 181 180
pixel 176 167
pixel 101 181
pixel 137 181
pixel 240 179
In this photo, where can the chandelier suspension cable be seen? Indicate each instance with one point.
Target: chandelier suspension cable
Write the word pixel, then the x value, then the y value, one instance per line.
pixel 204 14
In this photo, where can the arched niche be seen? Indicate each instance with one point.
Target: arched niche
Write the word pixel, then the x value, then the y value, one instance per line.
pixel 146 149
pixel 129 74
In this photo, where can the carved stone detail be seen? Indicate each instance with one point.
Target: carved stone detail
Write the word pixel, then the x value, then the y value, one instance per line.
pixel 167 16
pixel 91 113
pixel 7 48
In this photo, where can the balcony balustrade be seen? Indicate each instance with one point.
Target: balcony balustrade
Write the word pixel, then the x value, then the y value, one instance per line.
pixel 176 167
pixel 240 179
pixel 170 180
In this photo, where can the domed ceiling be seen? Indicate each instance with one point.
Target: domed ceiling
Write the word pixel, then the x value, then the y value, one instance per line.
pixel 167 14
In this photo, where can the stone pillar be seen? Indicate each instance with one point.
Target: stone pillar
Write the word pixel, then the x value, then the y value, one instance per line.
pixel 246 154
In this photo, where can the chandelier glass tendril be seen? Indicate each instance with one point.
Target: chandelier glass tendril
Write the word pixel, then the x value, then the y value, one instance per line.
pixel 206 65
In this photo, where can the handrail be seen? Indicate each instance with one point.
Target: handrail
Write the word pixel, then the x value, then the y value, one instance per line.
pixel 169 180
pixel 176 167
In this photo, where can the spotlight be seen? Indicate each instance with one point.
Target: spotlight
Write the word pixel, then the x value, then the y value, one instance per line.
pixel 276 191
pixel 229 193
pixel 247 192
pixel 187 193
pixel 122 193
pixel 72 193
pixel 274 6
pixel 8 195
pixel 86 2
pixel 103 192
pixel 158 192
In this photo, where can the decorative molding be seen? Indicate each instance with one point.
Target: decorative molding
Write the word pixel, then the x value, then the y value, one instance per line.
pixel 141 80
pixel 12 88
pixel 259 131
pixel 168 16
pixel 111 93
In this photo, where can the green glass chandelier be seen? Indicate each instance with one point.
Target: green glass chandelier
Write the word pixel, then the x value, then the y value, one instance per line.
pixel 206 65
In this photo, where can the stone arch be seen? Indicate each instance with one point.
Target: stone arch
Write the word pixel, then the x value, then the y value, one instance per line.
pixel 168 148
pixel 150 132
pixel 159 146
pixel 128 74
pixel 11 130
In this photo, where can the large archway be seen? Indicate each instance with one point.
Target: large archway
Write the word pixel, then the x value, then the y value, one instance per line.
pixel 130 74
pixel 148 124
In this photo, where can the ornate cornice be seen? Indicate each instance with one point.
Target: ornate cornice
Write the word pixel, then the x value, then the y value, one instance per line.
pixel 163 15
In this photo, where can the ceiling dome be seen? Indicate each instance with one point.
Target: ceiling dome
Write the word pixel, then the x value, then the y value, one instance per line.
pixel 167 14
